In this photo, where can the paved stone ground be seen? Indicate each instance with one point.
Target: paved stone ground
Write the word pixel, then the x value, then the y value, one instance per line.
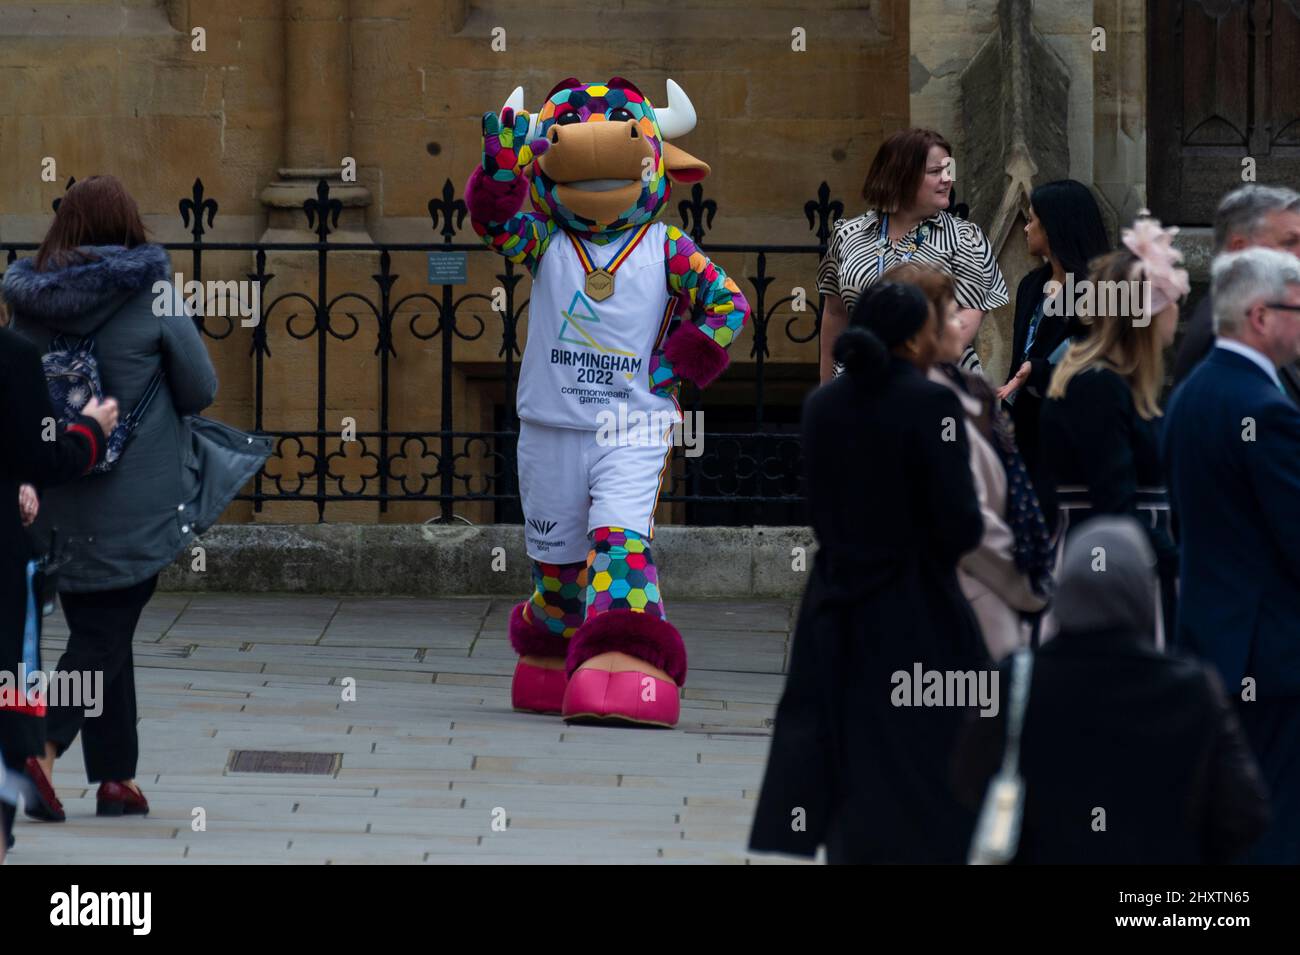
pixel 430 746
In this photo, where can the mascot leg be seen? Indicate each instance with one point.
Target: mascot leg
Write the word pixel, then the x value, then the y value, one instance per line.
pixel 626 661
pixel 540 629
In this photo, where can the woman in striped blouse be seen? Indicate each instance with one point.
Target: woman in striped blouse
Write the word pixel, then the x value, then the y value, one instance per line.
pixel 908 191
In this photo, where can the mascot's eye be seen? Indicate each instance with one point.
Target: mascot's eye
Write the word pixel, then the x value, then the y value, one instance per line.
pixel 565 119
pixel 619 115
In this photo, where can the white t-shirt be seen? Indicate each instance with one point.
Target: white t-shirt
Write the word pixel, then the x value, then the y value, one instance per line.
pixel 583 356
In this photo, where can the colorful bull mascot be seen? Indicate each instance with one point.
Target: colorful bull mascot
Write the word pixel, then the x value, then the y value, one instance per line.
pixel 623 308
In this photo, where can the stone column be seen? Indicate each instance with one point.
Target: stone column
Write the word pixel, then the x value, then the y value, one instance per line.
pixel 1119 111
pixel 1017 141
pixel 317 138
pixel 317 127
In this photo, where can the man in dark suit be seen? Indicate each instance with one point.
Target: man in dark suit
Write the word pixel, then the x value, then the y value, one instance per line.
pixel 1231 450
pixel 1248 217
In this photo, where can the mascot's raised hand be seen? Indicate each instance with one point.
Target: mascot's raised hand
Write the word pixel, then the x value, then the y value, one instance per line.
pixel 497 189
pixel 506 152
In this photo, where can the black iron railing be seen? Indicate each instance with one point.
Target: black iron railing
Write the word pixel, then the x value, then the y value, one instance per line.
pixel 746 473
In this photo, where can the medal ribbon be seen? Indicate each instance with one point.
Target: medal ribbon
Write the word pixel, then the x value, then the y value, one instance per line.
pixel 630 243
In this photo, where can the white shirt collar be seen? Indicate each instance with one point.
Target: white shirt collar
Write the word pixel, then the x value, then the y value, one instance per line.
pixel 1245 351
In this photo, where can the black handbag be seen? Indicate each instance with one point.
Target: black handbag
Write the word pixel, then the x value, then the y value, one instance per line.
pixel 226 459
pixel 45 582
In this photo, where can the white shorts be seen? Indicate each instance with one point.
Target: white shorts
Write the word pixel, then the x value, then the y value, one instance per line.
pixel 571 482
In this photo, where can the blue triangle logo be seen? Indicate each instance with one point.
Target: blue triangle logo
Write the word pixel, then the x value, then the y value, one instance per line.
pixel 580 310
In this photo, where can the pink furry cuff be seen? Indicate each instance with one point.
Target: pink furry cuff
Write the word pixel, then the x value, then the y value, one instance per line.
pixel 649 638
pixel 492 201
pixel 532 639
pixel 694 355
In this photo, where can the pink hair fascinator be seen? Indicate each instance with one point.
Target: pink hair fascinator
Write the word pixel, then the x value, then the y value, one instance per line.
pixel 1157 260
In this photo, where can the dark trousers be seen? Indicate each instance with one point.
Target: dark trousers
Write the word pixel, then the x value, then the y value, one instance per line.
pixel 1273 728
pixel 101 626
pixel 13 764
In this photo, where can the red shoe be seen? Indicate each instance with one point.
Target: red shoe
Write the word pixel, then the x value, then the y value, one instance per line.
pixel 47 806
pixel 118 799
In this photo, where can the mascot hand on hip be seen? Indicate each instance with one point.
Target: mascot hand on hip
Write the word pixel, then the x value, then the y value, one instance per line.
pixel 623 308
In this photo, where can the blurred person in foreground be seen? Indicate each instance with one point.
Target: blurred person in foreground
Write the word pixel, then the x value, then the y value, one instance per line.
pixel 894 507
pixel 1251 216
pixel 1128 755
pixel 1231 447
pixel 1009 574
pixel 31 462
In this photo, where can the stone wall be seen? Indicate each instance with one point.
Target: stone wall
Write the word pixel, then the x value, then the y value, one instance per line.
pixel 286 88
pixel 1105 114
pixel 450 560
pixel 946 37
pixel 1015 98
pixel 1119 119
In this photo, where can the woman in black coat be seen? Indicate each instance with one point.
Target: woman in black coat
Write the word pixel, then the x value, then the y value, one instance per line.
pixel 1099 425
pixel 894 507
pixel 1065 228
pixel 40 454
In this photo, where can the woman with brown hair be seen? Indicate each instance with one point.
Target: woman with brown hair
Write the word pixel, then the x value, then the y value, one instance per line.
pixel 1009 573
pixel 92 282
pixel 908 190
pixel 1098 427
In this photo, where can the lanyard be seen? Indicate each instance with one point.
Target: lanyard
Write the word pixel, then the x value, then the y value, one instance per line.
pixel 1033 329
pixel 884 245
pixel 600 281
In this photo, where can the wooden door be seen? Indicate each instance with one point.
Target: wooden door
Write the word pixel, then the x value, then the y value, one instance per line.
pixel 1223 85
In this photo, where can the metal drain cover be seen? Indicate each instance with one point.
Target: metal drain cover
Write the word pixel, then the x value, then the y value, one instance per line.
pixel 272 761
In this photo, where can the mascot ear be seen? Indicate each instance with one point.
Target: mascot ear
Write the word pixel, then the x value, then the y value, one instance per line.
pixel 682 166
pixel 568 83
pixel 618 83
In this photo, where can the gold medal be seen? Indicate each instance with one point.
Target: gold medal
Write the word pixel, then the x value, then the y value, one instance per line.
pixel 600 284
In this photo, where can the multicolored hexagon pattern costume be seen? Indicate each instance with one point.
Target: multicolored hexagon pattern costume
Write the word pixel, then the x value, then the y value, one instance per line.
pixel 623 308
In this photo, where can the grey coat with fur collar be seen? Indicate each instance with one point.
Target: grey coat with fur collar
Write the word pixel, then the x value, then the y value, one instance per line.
pixel 124 526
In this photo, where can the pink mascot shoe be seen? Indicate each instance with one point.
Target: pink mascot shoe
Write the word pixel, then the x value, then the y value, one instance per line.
pixel 536 689
pixel 627 696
